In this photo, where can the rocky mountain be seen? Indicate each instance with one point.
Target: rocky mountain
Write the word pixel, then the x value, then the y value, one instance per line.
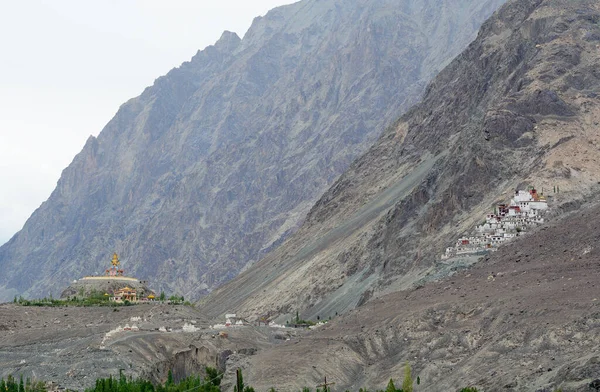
pixel 220 160
pixel 519 106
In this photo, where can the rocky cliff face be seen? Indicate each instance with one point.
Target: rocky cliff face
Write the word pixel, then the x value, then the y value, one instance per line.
pixel 520 106
pixel 220 160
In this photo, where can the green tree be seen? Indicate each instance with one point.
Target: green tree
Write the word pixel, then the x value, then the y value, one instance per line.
pixel 162 296
pixel 213 377
pixel 407 384
pixel 390 387
pixel 169 378
pixel 239 385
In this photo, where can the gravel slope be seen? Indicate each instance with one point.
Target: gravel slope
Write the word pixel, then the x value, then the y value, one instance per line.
pixel 524 319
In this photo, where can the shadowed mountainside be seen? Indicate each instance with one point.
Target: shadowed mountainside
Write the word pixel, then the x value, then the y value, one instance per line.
pixel 220 160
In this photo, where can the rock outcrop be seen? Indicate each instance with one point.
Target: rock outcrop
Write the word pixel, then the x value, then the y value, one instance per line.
pixel 520 106
pixel 220 160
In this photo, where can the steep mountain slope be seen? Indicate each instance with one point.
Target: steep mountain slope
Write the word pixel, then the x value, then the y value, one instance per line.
pixel 526 319
pixel 221 159
pixel 520 106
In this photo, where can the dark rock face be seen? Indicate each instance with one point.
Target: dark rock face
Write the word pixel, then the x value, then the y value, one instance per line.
pixel 220 160
pixel 511 109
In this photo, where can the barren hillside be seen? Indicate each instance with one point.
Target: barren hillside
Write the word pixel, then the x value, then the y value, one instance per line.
pixel 520 106
pixel 527 318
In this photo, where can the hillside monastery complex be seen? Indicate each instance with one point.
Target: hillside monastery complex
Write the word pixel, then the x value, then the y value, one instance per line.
pixel 525 211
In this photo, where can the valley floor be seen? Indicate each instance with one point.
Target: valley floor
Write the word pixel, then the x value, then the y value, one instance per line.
pixel 74 346
pixel 525 318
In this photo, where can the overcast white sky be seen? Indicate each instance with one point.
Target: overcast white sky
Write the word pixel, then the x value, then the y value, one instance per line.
pixel 67 65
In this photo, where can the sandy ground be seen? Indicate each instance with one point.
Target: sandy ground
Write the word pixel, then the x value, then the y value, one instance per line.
pixel 69 345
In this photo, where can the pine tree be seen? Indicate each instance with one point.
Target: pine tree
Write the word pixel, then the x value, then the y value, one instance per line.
pixel 390 387
pixel 239 381
pixel 169 378
pixel 213 377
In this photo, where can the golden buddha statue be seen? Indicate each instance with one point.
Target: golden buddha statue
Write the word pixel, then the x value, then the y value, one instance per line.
pixel 115 260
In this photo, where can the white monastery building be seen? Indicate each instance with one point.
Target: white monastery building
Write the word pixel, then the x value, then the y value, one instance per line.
pixel 525 211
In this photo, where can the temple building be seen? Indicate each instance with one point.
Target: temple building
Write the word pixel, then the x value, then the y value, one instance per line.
pixel 114 285
pixel 124 294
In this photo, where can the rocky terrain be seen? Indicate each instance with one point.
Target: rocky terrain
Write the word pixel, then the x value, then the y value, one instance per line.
pixel 220 160
pixel 520 106
pixel 527 318
pixel 70 346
